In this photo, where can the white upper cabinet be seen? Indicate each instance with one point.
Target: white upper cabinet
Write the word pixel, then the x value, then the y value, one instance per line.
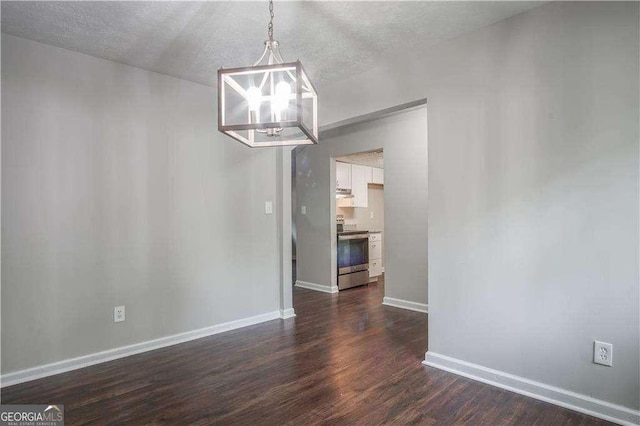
pixel 356 178
pixel 343 175
pixel 377 175
pixel 359 188
pixel 370 175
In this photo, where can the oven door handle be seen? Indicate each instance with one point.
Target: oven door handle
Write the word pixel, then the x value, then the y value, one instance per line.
pixel 353 237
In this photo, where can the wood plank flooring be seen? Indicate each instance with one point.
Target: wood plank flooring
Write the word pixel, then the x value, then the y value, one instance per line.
pixel 345 359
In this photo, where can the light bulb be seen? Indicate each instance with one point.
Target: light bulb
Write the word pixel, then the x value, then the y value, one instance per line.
pixel 254 98
pixel 283 91
pixel 280 101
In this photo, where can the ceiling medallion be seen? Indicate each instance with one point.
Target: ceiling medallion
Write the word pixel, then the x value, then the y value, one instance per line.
pixel 272 103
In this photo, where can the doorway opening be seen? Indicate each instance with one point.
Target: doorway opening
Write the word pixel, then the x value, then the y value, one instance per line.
pixel 360 218
pixel 398 183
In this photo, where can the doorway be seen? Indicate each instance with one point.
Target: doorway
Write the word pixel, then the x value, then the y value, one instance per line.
pixel 402 138
pixel 360 218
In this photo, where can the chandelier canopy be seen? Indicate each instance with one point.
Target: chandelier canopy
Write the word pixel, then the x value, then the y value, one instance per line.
pixel 272 103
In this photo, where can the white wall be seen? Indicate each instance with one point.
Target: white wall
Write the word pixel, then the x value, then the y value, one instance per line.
pixel 404 140
pixel 533 191
pixel 313 243
pixel 117 189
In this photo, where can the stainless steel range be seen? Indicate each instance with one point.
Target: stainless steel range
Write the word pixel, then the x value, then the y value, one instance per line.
pixel 353 259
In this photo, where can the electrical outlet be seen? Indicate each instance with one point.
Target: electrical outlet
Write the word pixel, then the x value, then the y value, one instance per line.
pixel 268 207
pixel 118 314
pixel 371 216
pixel 603 353
pixel 303 209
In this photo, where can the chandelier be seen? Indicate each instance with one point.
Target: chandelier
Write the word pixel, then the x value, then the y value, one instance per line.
pixel 272 103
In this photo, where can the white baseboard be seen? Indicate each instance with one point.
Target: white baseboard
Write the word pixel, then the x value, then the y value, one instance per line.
pixel 564 398
pixel 124 351
pixel 405 304
pixel 287 313
pixel 316 287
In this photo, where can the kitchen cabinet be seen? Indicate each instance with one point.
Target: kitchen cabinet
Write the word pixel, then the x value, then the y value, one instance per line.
pixel 359 187
pixel 377 176
pixel 376 267
pixel 356 178
pixel 369 175
pixel 343 175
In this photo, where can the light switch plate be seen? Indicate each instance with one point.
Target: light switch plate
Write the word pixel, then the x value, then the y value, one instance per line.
pixel 303 209
pixel 268 207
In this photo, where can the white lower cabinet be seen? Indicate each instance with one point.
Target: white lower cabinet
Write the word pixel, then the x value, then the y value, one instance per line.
pixel 375 268
pixel 375 249
pixel 375 255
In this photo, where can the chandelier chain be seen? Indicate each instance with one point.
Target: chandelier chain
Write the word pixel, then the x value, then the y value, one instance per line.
pixel 271 20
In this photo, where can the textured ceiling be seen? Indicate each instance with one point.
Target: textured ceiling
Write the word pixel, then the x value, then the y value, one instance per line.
pixel 191 40
pixel 372 159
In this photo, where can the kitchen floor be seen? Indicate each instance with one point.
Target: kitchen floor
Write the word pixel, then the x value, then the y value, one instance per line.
pixel 344 359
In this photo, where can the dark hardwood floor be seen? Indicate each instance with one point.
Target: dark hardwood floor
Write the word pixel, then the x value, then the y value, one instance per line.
pixel 345 359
